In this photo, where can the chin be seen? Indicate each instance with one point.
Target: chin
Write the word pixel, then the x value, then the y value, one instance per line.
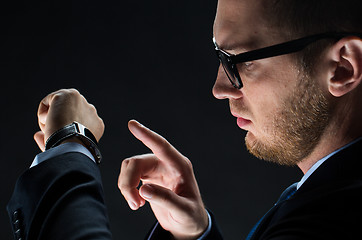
pixel 250 138
pixel 270 151
pixel 253 145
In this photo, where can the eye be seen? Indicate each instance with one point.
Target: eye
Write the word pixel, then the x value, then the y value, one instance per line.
pixel 248 65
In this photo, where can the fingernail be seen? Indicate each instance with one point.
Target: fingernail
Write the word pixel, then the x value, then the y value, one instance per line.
pixel 139 124
pixel 134 127
pixel 147 191
pixel 132 205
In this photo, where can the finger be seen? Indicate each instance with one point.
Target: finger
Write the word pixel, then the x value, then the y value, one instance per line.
pixel 39 139
pixel 44 108
pixel 46 102
pixel 165 198
pixel 132 171
pixel 159 145
pixel 43 112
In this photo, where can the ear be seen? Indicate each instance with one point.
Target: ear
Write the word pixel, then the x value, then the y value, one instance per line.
pixel 346 73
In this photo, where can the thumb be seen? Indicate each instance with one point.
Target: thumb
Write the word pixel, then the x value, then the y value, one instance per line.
pixel 39 139
pixel 163 197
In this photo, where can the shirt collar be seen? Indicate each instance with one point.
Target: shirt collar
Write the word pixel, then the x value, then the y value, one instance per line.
pixel 317 164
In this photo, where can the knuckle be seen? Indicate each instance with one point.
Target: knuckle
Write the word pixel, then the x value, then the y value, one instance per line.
pixel 190 168
pixel 125 163
pixel 124 190
pixel 186 173
pixel 58 95
pixel 66 94
pixel 74 94
pixel 161 141
pixel 122 187
pixel 164 145
pixel 187 161
pixel 74 91
pixel 119 184
pixel 130 164
pixel 93 109
pixel 133 163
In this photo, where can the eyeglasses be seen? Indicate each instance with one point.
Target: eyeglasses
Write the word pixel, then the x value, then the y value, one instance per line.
pixel 229 61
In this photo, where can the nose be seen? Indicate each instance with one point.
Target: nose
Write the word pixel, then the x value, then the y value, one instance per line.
pixel 223 88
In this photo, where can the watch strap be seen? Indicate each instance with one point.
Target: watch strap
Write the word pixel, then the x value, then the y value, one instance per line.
pixel 78 130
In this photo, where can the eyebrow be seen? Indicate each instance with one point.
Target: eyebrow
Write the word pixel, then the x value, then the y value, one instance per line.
pixel 231 47
pixel 234 47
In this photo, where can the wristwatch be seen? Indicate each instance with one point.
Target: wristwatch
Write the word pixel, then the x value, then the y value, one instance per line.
pixel 75 129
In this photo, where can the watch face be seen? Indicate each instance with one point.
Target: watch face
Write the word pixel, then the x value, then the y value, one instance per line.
pixel 92 143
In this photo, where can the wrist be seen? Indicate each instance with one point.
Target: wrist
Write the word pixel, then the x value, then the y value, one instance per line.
pixel 75 132
pixel 202 229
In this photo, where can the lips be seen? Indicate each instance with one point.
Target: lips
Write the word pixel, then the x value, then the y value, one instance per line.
pixel 241 122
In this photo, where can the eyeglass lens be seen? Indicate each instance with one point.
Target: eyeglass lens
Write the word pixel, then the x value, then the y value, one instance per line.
pixel 229 70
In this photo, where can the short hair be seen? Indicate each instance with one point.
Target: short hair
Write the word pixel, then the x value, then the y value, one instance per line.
pixel 298 18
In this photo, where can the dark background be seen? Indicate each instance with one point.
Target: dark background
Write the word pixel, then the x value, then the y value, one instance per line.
pixel 148 60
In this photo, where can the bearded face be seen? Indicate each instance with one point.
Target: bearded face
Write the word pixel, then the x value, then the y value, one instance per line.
pixel 296 129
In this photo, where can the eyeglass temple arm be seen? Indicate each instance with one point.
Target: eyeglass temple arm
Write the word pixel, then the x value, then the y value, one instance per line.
pixel 287 47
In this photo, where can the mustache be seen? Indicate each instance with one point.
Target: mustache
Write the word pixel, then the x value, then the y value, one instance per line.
pixel 238 107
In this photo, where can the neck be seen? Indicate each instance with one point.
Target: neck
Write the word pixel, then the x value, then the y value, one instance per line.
pixel 344 128
pixel 324 148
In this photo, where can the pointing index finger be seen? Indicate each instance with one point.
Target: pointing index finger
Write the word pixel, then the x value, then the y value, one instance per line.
pixel 158 145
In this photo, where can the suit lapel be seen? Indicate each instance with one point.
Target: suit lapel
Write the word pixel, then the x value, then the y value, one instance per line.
pixel 263 222
pixel 341 166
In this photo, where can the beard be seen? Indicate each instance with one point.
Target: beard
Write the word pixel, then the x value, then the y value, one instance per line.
pixel 297 128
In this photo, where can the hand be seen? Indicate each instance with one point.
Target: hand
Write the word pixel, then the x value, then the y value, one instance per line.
pixel 168 184
pixel 63 107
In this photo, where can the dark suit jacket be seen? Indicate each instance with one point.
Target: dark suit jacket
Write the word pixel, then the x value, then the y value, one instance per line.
pixel 327 206
pixel 61 198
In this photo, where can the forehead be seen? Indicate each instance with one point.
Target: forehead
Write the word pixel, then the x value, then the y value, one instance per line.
pixel 239 24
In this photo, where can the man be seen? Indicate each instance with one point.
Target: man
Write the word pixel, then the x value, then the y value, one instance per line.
pixel 298 101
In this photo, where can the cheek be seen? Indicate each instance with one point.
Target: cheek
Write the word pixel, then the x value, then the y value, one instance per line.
pixel 264 103
pixel 267 88
pixel 266 108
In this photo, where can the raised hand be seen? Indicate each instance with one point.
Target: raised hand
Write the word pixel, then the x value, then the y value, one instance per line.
pixel 64 107
pixel 168 184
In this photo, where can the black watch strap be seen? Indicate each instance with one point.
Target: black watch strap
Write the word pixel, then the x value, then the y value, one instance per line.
pixel 78 130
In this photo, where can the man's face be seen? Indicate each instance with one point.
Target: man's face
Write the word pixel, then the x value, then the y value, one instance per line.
pixel 282 108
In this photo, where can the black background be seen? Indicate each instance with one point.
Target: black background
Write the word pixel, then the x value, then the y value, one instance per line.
pixel 148 60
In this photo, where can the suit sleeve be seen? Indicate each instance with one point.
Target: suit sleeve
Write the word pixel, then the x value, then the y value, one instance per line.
pixel 61 198
pixel 158 233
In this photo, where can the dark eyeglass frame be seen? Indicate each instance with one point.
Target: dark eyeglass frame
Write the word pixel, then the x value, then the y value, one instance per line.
pixel 229 61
